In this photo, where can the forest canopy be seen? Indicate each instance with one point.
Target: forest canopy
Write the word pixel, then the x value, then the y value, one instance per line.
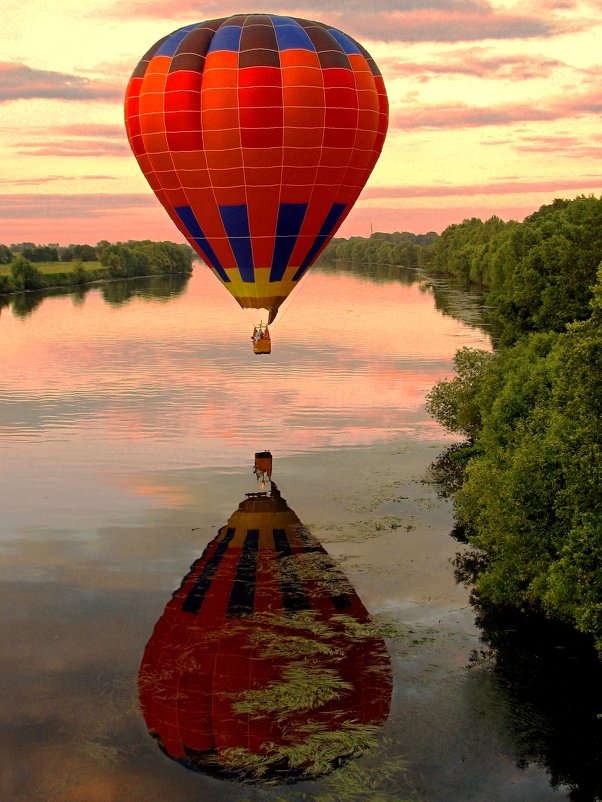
pixel 537 275
pixel 529 499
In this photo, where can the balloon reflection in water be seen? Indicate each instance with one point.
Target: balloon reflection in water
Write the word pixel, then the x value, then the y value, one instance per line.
pixel 265 665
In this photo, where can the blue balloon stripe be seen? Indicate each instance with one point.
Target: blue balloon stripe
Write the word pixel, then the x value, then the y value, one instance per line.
pixel 346 42
pixel 191 224
pixel 333 217
pixel 209 254
pixel 170 45
pixel 226 38
pixel 236 224
pixel 242 596
pixel 290 220
pixel 290 35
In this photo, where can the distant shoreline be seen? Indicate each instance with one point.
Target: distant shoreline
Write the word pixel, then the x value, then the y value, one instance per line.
pixel 23 272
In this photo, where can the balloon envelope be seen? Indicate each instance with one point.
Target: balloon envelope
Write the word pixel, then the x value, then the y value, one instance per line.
pixel 257 133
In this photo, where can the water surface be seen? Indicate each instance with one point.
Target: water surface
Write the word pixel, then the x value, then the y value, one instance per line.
pixel 129 420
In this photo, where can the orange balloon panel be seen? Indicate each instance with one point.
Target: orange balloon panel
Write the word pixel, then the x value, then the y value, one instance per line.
pixel 257 133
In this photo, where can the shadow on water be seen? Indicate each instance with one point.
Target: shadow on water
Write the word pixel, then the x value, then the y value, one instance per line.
pixel 376 273
pixel 115 293
pixel 151 288
pixel 550 673
pixel 265 665
pixel 459 303
pixel 453 300
pixel 552 677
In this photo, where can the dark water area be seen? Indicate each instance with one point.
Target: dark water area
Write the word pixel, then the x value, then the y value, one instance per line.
pixel 181 623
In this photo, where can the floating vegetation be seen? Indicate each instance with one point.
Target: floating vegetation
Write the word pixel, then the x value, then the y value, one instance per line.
pixel 100 750
pixel 307 620
pixel 271 645
pixel 354 782
pixel 314 752
pixel 372 628
pixel 369 529
pixel 319 631
pixel 303 687
pixel 314 567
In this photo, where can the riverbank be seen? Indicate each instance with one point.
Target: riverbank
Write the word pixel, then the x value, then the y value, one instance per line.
pixel 52 276
pixel 49 268
pixel 115 261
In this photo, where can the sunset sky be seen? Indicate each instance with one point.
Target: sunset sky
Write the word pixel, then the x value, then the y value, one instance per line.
pixel 494 110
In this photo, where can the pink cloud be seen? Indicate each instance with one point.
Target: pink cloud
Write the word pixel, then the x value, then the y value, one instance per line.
pixel 456 25
pixel 547 6
pixel 561 145
pixel 495 188
pixel 385 20
pixel 476 62
pixel 71 140
pixel 83 218
pixel 43 206
pixel 460 115
pixel 19 82
pixel 88 129
pixel 79 130
pixel 76 148
pixel 49 179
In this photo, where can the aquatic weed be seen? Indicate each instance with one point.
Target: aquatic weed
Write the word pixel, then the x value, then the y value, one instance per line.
pixel 303 687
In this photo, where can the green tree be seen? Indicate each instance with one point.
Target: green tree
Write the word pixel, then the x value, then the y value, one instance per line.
pixel 123 261
pixel 19 247
pixel 100 246
pixel 41 253
pixel 455 403
pixel 537 274
pixel 83 253
pixel 544 282
pixel 6 255
pixel 79 274
pixel 7 285
pixel 25 275
pixel 530 496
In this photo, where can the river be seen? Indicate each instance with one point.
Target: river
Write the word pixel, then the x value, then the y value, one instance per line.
pixel 130 416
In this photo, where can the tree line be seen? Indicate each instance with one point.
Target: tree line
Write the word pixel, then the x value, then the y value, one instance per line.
pixel 400 248
pixel 114 260
pixel 537 275
pixel 49 253
pixel 528 476
pixel 527 479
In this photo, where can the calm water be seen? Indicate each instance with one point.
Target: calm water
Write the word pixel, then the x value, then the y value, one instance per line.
pixel 129 420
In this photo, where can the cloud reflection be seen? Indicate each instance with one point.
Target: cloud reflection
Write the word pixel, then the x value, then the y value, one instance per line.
pixel 140 374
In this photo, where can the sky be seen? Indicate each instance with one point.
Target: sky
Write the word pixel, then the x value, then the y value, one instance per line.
pixel 494 110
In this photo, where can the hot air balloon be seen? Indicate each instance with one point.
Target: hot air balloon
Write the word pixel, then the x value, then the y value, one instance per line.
pixel 257 133
pixel 264 666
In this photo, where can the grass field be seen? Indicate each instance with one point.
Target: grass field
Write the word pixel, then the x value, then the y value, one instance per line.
pixel 54 267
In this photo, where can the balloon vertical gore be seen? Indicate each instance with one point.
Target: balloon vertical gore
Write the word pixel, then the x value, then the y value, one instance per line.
pixel 257 133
